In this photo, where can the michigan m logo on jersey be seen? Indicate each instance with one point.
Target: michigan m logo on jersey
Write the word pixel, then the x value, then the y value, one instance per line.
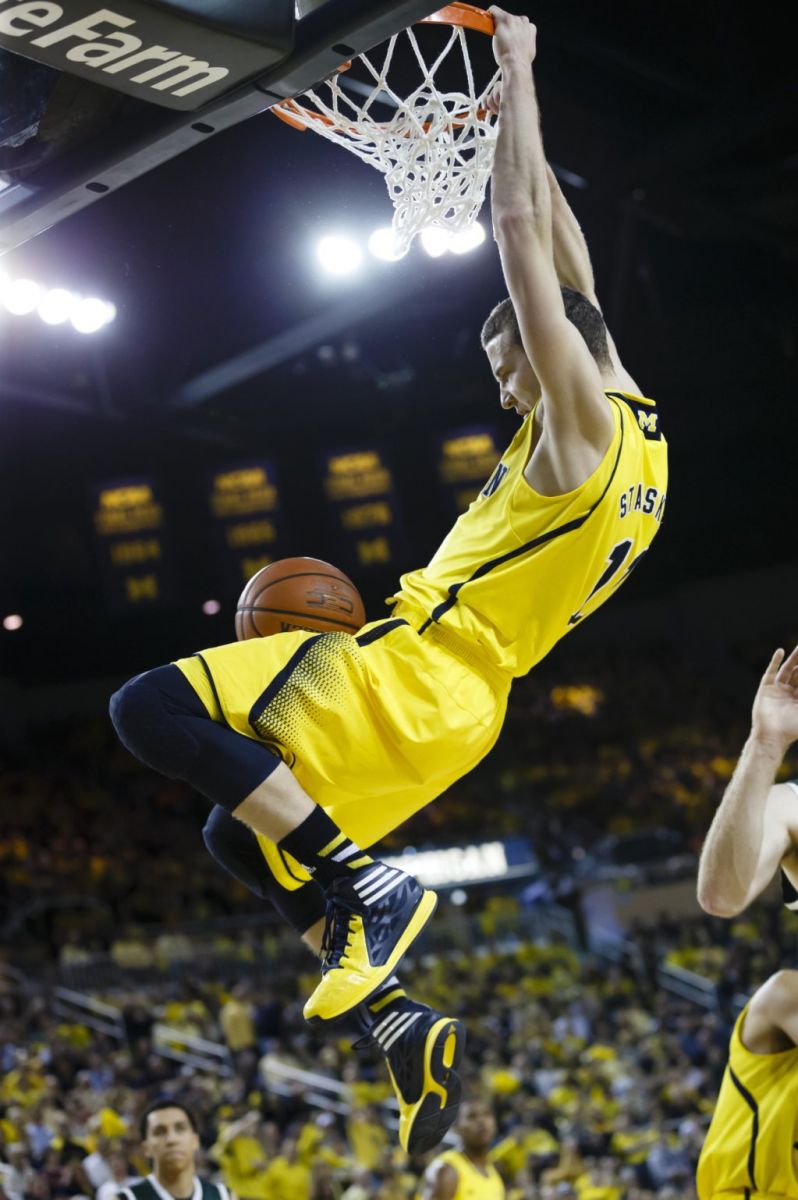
pixel 646 413
pixel 495 479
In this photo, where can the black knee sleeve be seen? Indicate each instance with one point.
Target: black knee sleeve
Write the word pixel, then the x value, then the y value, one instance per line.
pixel 235 848
pixel 145 713
pixel 161 720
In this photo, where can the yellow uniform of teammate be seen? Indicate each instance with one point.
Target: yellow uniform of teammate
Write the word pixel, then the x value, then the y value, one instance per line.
pixel 473 1184
pixel 751 1149
pixel 375 726
pixel 466 1173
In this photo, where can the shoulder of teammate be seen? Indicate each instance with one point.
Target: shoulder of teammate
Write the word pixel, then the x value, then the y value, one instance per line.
pixel 440 1181
pixel 773 1007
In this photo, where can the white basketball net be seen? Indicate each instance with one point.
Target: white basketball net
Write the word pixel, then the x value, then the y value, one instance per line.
pixel 436 150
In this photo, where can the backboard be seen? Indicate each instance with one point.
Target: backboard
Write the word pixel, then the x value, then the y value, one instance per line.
pixel 205 66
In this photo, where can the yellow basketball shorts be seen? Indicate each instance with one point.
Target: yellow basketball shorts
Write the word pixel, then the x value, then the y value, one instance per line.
pixel 373 726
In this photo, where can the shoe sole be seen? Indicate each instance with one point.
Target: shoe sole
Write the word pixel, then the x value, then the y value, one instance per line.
pixel 436 1111
pixel 415 926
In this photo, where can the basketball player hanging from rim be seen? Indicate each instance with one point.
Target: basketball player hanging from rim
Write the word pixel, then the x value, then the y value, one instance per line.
pixel 320 744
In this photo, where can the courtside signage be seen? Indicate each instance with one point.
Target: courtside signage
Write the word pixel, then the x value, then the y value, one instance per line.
pixel 153 53
pixel 481 862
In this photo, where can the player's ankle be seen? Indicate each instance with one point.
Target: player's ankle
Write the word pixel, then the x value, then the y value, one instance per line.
pixel 383 999
pixel 325 850
pixel 372 883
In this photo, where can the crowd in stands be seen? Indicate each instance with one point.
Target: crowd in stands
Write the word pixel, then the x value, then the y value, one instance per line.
pixel 736 956
pixel 602 1086
pixel 597 749
pixel 602 1082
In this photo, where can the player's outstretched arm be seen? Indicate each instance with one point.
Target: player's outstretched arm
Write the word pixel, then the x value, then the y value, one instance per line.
pixel 755 825
pixel 573 266
pixel 571 255
pixel 569 246
pixel 522 222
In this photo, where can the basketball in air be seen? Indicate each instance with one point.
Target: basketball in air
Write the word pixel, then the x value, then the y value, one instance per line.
pixel 298 593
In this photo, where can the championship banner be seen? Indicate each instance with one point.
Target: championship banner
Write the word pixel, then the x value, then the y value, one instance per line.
pixel 135 563
pixel 467 458
pixel 248 525
pixel 358 486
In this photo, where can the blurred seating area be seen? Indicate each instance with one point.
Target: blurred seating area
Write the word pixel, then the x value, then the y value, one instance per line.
pixel 602 1085
pixel 92 844
pixel 131 966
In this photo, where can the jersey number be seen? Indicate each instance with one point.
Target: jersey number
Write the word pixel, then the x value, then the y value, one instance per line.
pixel 615 560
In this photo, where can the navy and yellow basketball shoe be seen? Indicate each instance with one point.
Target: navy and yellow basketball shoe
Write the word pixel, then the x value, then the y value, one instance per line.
pixel 372 920
pixel 423 1051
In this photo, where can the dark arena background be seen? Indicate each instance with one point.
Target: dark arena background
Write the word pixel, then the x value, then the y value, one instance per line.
pixel 245 399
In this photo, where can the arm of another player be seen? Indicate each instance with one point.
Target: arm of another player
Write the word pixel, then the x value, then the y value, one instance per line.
pixel 439 1182
pixel 522 221
pixel 755 824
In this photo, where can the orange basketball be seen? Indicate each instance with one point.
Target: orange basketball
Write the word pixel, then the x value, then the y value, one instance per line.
pixel 298 593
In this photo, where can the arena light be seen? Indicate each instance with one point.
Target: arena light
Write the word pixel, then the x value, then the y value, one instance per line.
pixel 56 306
pixel 21 296
pixel 436 241
pixel 468 239
pixel 91 314
pixel 211 608
pixel 339 255
pixel 12 622
pixel 382 244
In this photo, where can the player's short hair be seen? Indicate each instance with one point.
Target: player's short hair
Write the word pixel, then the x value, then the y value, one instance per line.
pixel 579 311
pixel 165 1102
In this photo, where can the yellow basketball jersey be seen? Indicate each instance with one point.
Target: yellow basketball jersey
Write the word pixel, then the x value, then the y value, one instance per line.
pixel 471 1183
pixel 519 569
pixel 751 1148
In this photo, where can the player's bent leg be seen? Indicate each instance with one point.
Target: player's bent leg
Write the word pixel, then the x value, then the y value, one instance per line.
pixel 374 912
pixel 161 720
pixel 236 849
pixel 423 1051
pixel 422 1048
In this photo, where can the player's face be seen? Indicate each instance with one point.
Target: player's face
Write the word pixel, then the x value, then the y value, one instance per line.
pixel 519 387
pixel 170 1142
pixel 476 1125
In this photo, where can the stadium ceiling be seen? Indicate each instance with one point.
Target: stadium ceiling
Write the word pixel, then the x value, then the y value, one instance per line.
pixel 681 123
